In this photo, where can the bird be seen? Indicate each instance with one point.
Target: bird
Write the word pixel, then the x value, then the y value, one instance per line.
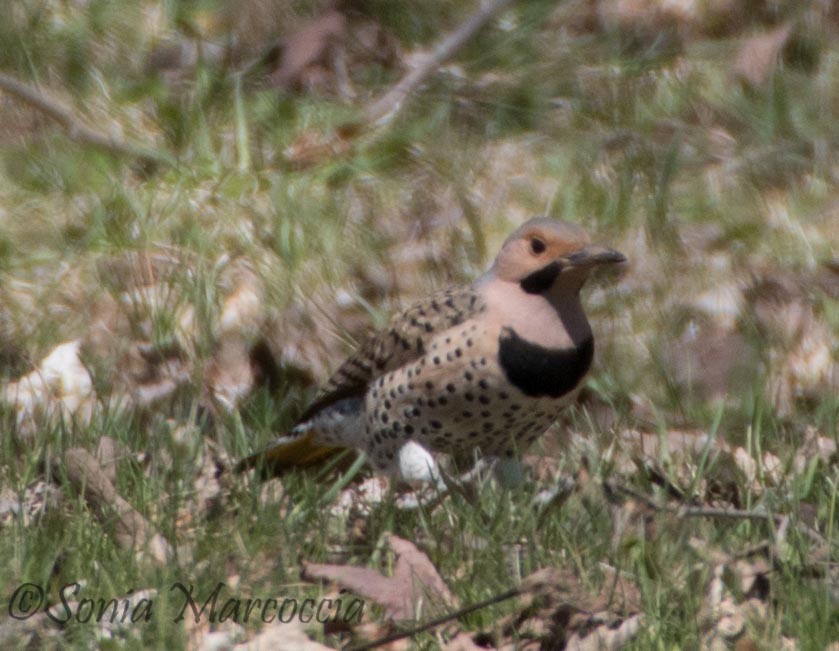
pixel 482 368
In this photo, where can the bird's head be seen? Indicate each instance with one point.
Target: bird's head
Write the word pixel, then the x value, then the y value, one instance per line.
pixel 544 254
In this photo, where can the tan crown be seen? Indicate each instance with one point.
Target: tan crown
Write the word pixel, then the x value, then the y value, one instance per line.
pixel 521 255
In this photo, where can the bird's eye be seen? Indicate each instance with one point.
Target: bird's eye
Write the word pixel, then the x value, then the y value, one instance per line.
pixel 537 246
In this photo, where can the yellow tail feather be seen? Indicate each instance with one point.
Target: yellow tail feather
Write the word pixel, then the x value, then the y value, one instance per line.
pixel 289 452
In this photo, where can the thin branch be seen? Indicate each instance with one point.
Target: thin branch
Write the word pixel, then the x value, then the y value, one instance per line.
pixel 434 623
pixel 73 125
pixel 714 512
pixel 383 110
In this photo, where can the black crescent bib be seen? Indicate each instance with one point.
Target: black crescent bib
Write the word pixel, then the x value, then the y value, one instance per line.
pixel 543 372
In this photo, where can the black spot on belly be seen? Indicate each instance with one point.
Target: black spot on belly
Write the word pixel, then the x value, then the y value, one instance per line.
pixel 538 371
pixel 542 280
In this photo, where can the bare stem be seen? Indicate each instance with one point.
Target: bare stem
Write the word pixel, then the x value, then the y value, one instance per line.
pixel 383 110
pixel 74 126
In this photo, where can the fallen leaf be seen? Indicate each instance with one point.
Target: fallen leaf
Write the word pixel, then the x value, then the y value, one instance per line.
pixel 645 19
pixel 799 344
pixel 556 607
pixel 361 498
pixel 737 593
pixel 813 446
pixel 672 460
pixel 242 310
pixel 673 442
pixel 211 482
pixel 229 374
pixel 37 498
pixel 308 47
pixel 758 55
pixel 314 147
pixel 605 637
pixel 415 588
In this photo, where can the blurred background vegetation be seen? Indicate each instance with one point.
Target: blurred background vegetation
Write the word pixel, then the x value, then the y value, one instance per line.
pixel 252 226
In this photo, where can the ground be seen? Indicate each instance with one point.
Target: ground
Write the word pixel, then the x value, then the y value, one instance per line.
pixel 169 308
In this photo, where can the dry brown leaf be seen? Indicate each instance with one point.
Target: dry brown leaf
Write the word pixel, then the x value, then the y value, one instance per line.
pixel 556 608
pixel 672 460
pixel 211 483
pixel 229 375
pixel 37 498
pixel 779 304
pixel 312 147
pixel 674 442
pixel 814 446
pixel 361 498
pixel 308 48
pixel 544 468
pixel 758 55
pixel 645 18
pixel 414 589
pixel 605 637
pixel 148 394
pixel 306 337
pixel 737 593
pixel 242 310
pixel 800 345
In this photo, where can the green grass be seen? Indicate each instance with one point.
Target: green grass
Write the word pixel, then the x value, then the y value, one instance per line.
pixel 638 144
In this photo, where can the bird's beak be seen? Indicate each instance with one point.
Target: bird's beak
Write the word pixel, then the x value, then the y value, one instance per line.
pixel 594 255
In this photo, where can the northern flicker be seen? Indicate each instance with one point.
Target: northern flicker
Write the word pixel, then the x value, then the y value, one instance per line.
pixel 486 366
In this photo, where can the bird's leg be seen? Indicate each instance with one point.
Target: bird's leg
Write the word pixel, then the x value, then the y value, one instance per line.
pixel 509 472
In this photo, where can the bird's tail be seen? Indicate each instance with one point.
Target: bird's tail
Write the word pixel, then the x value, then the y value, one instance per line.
pixel 289 452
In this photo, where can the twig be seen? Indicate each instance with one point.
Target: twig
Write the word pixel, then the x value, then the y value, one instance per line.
pixel 383 110
pixel 74 127
pixel 713 512
pixel 434 623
